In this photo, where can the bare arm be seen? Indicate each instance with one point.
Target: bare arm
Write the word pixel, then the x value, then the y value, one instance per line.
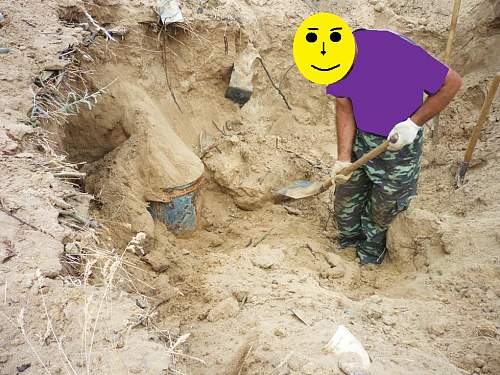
pixel 436 103
pixel 346 128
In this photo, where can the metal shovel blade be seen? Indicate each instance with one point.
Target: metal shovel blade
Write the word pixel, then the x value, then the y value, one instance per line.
pixel 460 176
pixel 301 189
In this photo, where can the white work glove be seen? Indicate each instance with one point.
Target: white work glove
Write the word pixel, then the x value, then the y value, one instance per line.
pixel 337 167
pixel 406 132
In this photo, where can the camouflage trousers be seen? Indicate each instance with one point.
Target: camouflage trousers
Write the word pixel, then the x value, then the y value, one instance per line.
pixel 368 202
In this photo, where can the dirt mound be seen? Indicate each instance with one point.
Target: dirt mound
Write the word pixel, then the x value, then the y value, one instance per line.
pixel 259 287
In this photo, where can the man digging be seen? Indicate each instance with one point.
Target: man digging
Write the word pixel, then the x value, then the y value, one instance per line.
pixel 379 94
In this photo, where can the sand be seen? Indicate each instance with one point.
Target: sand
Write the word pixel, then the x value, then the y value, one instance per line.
pixel 236 284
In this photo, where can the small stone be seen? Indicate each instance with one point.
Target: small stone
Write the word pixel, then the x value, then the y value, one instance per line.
pixel 479 362
pixel 4 50
pixel 72 248
pixel 4 357
pixel 437 328
pixel 487 331
pixel 23 367
pixel 378 8
pixel 333 260
pixel 350 364
pixel 373 311
pixel 157 260
pixel 279 332
pixel 185 252
pixel 215 241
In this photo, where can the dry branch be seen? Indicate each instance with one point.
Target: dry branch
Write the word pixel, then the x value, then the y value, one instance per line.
pixel 274 85
pixel 99 27
pixel 25 222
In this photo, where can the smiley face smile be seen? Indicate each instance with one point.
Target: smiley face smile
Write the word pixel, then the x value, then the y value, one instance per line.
pixel 323 69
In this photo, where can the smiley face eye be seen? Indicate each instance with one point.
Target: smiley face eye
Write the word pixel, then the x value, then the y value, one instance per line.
pixel 311 37
pixel 335 37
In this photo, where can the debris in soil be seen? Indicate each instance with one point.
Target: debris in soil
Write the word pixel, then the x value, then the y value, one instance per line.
pixel 354 357
pixel 169 11
pixel 240 86
pixel 24 367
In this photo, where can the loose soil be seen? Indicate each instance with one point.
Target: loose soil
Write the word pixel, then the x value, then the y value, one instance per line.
pixel 260 286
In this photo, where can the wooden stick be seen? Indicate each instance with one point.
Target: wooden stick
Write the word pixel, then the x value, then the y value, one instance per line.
pixel 482 117
pixel 447 58
pixel 361 161
pixel 453 29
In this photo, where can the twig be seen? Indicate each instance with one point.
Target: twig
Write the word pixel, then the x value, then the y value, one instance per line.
pixel 272 83
pixel 28 23
pixel 311 163
pixel 25 222
pixel 262 238
pixel 99 27
pixel 311 250
pixel 245 358
pixel 77 175
pixel 226 44
pixel 219 129
pixel 164 60
pixel 284 75
pixel 299 317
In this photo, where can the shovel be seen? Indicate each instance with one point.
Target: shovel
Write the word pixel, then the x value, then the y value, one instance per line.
pixel 464 165
pixel 304 189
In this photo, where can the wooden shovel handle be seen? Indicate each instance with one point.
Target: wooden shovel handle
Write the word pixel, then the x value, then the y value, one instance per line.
pixel 453 29
pixel 362 161
pixel 482 117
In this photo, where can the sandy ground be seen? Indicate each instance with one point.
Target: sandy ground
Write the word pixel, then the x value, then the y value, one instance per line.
pixel 260 287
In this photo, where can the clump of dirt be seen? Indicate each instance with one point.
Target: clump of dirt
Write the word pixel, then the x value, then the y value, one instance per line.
pixel 259 287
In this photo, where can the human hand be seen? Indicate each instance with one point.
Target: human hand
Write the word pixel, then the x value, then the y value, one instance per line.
pixel 337 167
pixel 406 132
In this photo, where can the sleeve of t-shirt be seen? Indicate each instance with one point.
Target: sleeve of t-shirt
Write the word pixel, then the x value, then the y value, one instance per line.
pixel 338 89
pixel 431 72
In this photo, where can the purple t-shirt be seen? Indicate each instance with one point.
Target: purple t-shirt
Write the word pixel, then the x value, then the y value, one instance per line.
pixel 388 79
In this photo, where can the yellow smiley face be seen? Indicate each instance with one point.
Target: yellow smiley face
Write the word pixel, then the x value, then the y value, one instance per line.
pixel 324 48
